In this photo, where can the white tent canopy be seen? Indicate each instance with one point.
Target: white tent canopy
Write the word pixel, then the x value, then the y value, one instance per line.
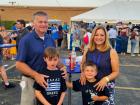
pixel 127 11
pixel 55 3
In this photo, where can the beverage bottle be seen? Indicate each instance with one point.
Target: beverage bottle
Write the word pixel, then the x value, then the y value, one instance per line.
pixel 73 59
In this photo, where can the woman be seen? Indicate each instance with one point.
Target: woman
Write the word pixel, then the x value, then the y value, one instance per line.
pixel 133 41
pixel 105 57
pixel 124 36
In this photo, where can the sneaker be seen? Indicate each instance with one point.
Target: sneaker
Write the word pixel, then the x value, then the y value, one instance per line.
pixel 11 85
pixel 133 55
pixel 122 53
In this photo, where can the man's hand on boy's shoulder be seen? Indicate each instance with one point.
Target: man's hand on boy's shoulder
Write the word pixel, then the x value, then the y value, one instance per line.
pixel 64 73
pixel 62 67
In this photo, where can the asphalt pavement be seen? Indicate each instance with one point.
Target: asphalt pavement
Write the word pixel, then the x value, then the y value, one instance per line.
pixel 127 84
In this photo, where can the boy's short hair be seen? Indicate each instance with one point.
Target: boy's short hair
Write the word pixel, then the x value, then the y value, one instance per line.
pixel 90 63
pixel 51 52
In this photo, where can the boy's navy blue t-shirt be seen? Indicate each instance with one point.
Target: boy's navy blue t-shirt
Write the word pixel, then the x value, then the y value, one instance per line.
pixel 89 89
pixel 56 85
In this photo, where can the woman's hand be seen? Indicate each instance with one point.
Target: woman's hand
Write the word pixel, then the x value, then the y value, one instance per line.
pixel 101 84
pixel 82 79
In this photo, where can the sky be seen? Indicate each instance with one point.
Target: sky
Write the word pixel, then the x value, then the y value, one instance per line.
pixel 57 3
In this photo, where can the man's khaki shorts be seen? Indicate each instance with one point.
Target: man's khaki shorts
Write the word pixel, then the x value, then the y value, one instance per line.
pixel 27 94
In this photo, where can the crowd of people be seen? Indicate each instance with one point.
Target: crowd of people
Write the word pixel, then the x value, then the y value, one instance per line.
pixel 45 77
pixel 124 38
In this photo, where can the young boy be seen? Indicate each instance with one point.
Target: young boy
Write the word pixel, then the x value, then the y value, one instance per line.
pixel 90 95
pixel 55 92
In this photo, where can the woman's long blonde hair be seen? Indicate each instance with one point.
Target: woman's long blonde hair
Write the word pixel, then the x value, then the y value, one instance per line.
pixel 92 45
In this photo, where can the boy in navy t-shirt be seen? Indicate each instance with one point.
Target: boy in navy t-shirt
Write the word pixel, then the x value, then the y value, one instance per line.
pixel 90 95
pixel 55 92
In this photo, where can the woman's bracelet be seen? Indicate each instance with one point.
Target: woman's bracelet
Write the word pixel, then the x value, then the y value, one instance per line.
pixel 107 79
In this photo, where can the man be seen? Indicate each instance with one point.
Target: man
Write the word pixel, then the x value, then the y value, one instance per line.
pixel 65 32
pixel 30 57
pixel 112 36
pixel 21 31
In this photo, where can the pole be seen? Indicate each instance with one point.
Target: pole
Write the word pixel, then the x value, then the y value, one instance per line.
pixel 69 91
pixel 70 76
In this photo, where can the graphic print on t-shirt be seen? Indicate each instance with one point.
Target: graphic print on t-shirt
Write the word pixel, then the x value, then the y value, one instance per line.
pixel 92 93
pixel 53 86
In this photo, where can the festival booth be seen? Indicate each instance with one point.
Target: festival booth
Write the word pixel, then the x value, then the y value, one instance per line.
pixel 118 10
pixel 113 12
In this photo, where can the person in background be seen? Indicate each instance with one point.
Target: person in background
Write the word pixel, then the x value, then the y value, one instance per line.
pixel 82 44
pixel 54 32
pixel 29 28
pixel 14 27
pixel 5 40
pixel 76 38
pixel 106 58
pixel 76 32
pixel 66 27
pixel 124 36
pixel 55 92
pixel 3 74
pixel 30 57
pixel 13 50
pixel 112 36
pixel 21 31
pixel 133 36
pixel 65 32
pixel 60 34
pixel 86 39
pixel 90 95
pixel 76 44
pixel 3 32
